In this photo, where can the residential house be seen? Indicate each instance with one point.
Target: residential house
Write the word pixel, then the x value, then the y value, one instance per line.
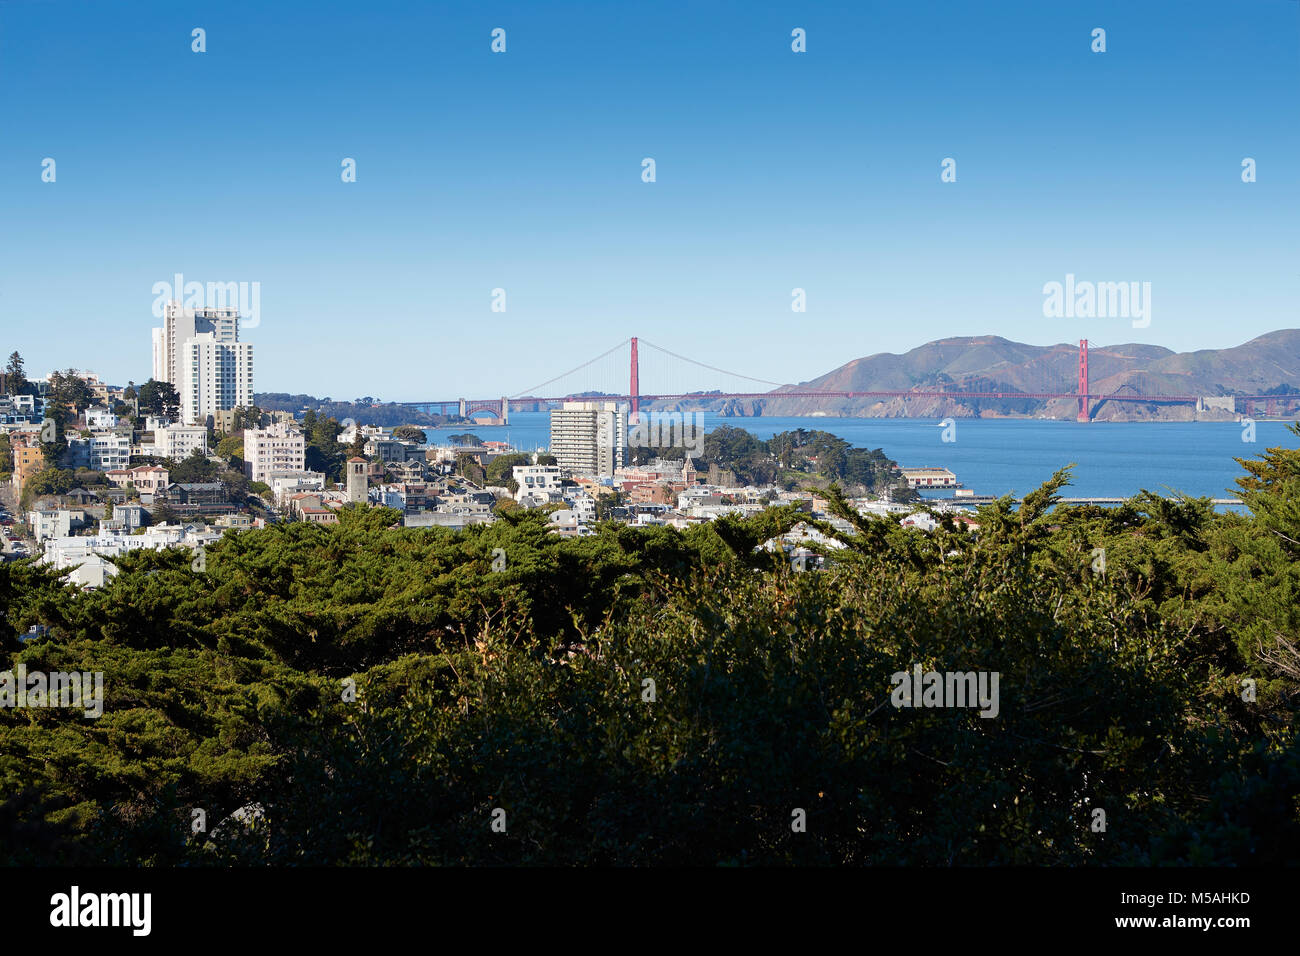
pixel 147 479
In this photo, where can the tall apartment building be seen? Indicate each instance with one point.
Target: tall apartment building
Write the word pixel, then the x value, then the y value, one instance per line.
pixel 159 355
pixel 214 376
pixel 278 447
pixel 589 438
pixel 179 326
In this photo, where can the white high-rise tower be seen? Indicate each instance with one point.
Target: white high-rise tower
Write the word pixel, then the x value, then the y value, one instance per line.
pixel 214 376
pixel 179 326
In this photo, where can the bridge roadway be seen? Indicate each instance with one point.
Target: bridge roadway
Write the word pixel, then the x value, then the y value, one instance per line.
pixel 926 393
pixel 989 499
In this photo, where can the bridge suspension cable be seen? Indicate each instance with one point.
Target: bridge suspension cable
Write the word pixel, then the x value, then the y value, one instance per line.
pixel 711 368
pixel 537 388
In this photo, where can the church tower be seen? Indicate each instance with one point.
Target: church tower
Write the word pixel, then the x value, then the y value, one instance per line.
pixel 357 482
pixel 688 471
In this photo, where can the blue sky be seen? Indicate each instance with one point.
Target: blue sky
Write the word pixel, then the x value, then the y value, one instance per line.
pixel 522 171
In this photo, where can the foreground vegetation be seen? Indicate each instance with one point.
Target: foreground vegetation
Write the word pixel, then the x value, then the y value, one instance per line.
pixel 1161 690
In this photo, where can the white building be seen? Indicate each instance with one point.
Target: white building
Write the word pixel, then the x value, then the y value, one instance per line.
pixel 159 355
pixel 536 478
pixel 98 417
pixel 179 326
pixel 286 483
pixel 104 451
pixel 589 438
pixel 215 376
pixel 277 448
pixel 53 524
pixel 131 516
pixel 67 552
pixel 583 505
pixel 567 524
pixel 92 572
pixel 349 434
pixel 178 441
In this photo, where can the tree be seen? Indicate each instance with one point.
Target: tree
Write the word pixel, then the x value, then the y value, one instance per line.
pixel 69 393
pixel 250 417
pixel 501 467
pixel 324 453
pixel 465 438
pixel 510 661
pixel 409 433
pixel 236 484
pixel 163 513
pixel 196 468
pixel 467 466
pixel 49 481
pixel 505 506
pixel 53 451
pixel 159 398
pixel 231 447
pixel 15 374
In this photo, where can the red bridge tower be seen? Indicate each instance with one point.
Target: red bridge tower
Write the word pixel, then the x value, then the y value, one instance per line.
pixel 635 386
pixel 1084 415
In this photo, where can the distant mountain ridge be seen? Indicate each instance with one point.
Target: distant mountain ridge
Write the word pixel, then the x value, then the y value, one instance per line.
pixel 990 363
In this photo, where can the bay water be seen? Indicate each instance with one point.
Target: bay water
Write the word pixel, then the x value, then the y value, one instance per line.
pixel 1009 456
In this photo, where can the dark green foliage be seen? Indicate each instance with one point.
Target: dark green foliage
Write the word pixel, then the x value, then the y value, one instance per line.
pixel 409 433
pixel 49 481
pixel 324 451
pixel 15 374
pixel 194 468
pixel 158 398
pixel 68 396
pixel 522 689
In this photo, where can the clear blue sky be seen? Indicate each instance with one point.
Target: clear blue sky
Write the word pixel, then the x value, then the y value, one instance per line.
pixel 523 171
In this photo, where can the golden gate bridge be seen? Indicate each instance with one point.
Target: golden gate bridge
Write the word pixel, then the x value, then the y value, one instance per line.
pixel 1087 401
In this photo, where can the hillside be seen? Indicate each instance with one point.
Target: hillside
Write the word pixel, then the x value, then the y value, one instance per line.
pixel 989 363
pixel 363 413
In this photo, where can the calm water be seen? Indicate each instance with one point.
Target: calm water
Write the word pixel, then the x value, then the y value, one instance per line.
pixel 999 457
